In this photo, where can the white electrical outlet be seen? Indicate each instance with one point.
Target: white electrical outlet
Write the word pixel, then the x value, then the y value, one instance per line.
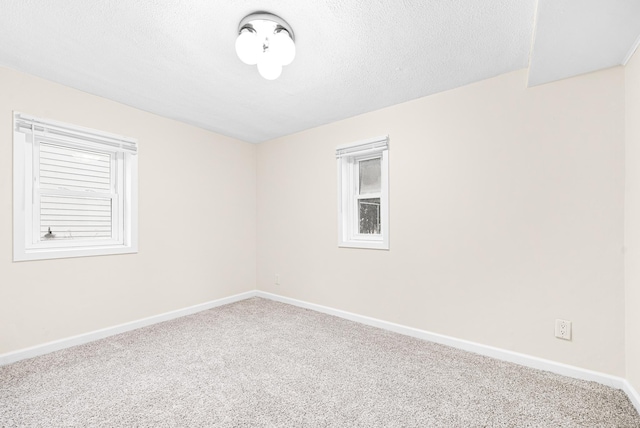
pixel 563 329
pixel 277 279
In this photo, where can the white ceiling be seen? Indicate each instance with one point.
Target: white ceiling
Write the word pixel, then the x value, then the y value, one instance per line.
pixel 176 58
pixel 580 36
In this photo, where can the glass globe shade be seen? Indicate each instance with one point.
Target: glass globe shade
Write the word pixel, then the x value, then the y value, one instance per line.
pixel 269 66
pixel 283 47
pixel 248 47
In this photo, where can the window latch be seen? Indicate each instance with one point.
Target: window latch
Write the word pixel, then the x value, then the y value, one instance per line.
pixel 49 235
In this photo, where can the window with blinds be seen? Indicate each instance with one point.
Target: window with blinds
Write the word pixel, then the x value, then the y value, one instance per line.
pixel 64 214
pixel 75 191
pixel 363 186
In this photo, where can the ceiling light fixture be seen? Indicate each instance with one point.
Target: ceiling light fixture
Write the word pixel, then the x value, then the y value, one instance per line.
pixel 266 40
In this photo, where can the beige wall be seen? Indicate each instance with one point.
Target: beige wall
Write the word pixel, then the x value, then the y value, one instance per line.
pixel 506 213
pixel 632 220
pixel 197 232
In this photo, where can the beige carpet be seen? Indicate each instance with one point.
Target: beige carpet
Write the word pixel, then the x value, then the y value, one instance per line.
pixel 259 363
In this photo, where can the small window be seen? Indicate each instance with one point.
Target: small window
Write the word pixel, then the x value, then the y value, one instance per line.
pixel 75 191
pixel 363 186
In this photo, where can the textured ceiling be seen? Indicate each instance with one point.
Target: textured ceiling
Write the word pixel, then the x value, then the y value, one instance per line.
pixel 176 58
pixel 579 36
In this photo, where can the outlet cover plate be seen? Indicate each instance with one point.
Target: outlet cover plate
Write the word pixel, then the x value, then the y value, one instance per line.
pixel 563 329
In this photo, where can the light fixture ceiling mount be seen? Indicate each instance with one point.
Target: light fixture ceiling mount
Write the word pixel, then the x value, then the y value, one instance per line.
pixel 266 40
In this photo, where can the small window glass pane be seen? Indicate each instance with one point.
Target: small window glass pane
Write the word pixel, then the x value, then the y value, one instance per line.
pixel 369 216
pixel 370 176
pixel 74 169
pixel 63 217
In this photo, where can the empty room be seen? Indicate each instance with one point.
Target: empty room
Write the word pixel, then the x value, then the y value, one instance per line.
pixel 320 214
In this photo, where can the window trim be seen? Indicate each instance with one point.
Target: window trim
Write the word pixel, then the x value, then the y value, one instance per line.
pixel 28 133
pixel 348 157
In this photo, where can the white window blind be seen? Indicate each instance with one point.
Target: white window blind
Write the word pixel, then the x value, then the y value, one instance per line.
pixel 87 137
pixel 363 147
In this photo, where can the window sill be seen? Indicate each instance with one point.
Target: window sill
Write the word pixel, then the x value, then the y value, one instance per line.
pixel 367 245
pixel 63 253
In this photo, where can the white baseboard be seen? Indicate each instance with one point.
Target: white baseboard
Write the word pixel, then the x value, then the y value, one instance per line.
pixel 478 348
pixel 45 348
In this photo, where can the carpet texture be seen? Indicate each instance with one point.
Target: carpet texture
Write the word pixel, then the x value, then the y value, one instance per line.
pixel 258 363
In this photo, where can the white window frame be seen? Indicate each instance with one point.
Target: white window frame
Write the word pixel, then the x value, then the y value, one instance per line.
pixel 348 158
pixel 28 134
